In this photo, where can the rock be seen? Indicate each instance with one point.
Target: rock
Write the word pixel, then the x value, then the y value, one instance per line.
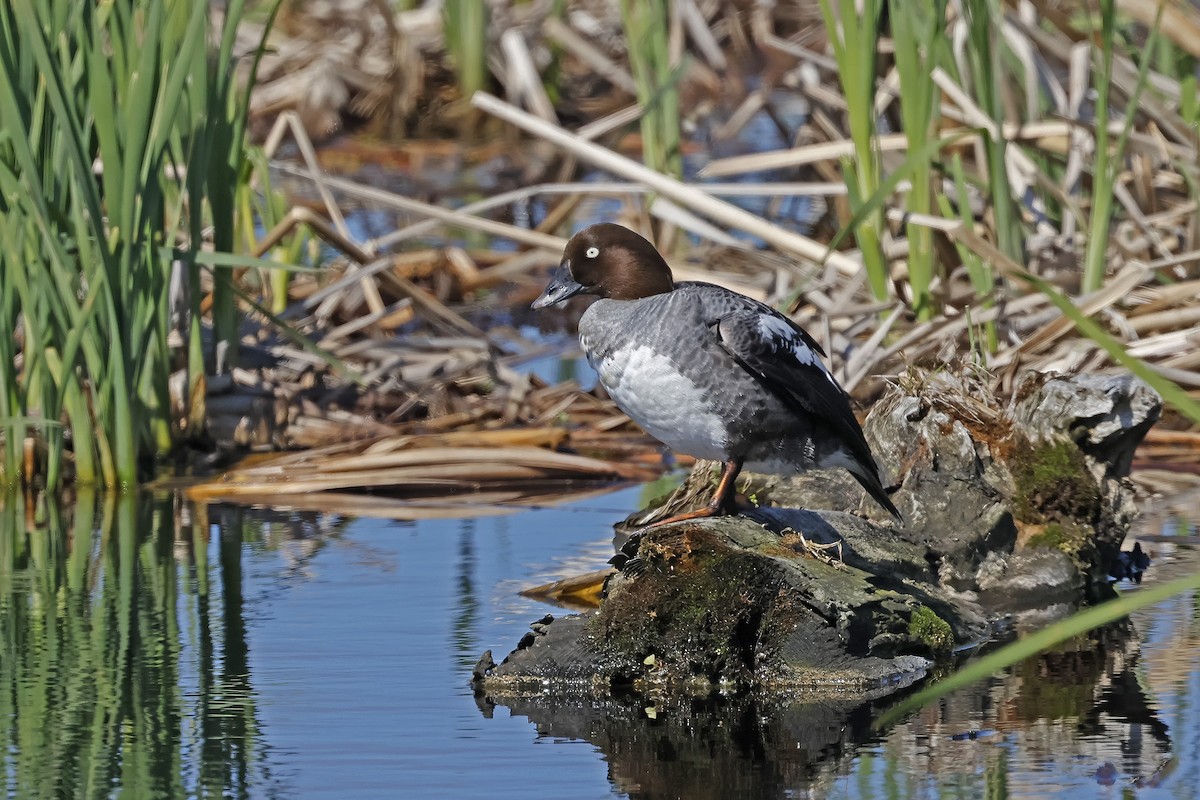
pixel 483 666
pixel 1106 415
pixel 1006 582
pixel 728 604
pixel 1007 508
pixel 979 476
pixel 1086 424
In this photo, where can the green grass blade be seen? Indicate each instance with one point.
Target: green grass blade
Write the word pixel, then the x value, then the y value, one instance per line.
pixel 853 33
pixel 1108 163
pixel 1170 391
pixel 918 37
pixel 878 199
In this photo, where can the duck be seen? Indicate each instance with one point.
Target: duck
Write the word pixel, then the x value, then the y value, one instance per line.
pixel 708 372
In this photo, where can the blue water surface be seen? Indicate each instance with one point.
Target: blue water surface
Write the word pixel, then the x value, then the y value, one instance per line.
pixel 361 653
pixel 174 650
pixel 363 649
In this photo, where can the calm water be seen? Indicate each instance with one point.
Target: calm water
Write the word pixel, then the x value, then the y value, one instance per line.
pixel 175 651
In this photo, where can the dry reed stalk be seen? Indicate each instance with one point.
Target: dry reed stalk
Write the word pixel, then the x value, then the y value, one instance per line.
pixel 1078 80
pixel 524 81
pixel 486 503
pixel 667 211
pixel 420 470
pixel 399 202
pixel 579 592
pixel 1159 436
pixel 1050 135
pixel 589 54
pixel 858 365
pixel 798 156
pixel 1131 276
pixel 669 187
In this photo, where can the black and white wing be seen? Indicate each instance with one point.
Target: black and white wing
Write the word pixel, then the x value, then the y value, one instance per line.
pixel 787 362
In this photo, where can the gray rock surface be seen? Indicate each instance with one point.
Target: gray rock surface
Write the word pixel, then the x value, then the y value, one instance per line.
pixel 1106 415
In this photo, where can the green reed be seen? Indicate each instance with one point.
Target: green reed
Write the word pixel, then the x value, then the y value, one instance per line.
pixel 918 34
pixel 854 36
pixel 1109 157
pixel 920 44
pixel 464 24
pixel 121 139
pixel 1095 263
pixel 647 31
pixel 985 57
pixel 264 206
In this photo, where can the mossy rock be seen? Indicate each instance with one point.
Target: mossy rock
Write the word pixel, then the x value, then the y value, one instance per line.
pixel 1077 542
pixel 691 603
pixel 925 625
pixel 728 605
pixel 1003 513
pixel 1062 536
pixel 1053 484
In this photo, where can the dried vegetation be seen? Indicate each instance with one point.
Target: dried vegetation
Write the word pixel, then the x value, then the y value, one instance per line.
pixel 429 344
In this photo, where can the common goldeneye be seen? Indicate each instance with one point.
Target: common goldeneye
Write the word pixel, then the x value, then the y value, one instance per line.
pixel 706 371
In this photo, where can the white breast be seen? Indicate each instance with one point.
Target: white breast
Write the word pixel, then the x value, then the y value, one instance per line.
pixel 664 402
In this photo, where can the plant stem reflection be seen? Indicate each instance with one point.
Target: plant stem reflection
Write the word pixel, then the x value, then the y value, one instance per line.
pixel 124 668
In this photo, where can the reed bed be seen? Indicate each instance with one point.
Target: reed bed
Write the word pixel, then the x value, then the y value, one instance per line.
pixel 997 189
pixel 999 144
pixel 463 473
pixel 956 178
pixel 121 143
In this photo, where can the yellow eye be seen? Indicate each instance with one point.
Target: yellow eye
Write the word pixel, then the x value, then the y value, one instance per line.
pixel 592 252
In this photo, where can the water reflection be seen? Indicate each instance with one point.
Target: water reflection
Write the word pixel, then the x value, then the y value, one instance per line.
pixel 124 664
pixel 467 617
pixel 156 649
pixel 707 748
pixel 1056 725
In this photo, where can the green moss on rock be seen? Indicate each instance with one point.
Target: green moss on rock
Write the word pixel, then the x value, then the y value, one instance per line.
pixel 1053 484
pixel 1076 541
pixel 928 627
pixel 1062 536
pixel 696 607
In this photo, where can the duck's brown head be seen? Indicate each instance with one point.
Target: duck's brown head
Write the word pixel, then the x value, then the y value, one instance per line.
pixel 610 261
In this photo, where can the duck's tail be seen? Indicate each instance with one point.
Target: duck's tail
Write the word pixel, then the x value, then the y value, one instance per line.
pixel 868 478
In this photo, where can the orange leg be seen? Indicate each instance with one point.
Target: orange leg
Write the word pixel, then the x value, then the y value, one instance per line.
pixel 722 503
